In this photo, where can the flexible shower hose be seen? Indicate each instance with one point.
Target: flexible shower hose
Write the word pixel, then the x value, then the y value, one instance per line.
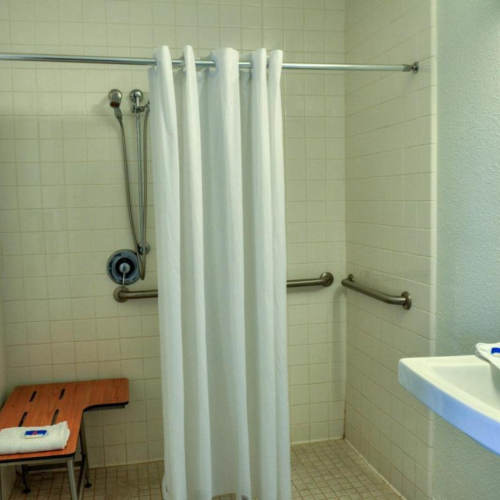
pixel 140 243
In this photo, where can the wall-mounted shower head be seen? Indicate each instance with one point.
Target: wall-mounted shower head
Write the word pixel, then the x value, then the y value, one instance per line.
pixel 115 99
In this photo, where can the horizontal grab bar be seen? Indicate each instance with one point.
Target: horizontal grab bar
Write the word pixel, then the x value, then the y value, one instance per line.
pixel 122 293
pixel 404 300
pixel 326 279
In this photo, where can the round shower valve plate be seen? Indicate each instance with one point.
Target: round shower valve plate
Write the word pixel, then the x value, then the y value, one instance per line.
pixel 123 267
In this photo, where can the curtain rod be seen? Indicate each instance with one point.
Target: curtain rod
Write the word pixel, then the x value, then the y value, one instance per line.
pixel 138 61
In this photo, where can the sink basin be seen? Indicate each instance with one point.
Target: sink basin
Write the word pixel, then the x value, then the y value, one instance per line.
pixel 464 390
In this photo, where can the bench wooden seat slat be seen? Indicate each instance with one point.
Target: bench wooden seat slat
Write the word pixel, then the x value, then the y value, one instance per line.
pixel 40 409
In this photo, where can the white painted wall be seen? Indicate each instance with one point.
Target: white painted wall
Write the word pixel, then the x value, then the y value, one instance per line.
pixel 468 293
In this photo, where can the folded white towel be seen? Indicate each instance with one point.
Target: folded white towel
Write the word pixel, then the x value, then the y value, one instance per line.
pixel 490 352
pixel 12 440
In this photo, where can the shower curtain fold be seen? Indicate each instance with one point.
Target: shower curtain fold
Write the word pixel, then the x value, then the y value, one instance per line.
pixel 220 225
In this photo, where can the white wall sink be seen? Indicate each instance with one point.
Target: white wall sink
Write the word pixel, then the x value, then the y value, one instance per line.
pixel 464 390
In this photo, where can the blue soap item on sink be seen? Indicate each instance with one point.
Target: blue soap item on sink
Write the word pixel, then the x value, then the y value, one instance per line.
pixel 495 351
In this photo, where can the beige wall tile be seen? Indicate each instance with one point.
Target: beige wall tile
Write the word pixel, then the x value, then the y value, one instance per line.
pixel 390 122
pixel 62 205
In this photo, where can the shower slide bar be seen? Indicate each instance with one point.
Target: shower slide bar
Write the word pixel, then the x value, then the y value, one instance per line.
pixel 122 293
pixel 404 300
pixel 149 61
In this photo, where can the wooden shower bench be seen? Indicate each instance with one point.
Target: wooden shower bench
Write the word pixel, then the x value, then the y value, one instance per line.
pixel 48 404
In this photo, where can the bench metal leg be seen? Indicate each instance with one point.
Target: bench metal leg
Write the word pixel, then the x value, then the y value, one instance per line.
pixel 72 483
pixel 26 480
pixel 85 456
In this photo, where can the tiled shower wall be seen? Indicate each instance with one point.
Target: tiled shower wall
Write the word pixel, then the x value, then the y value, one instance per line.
pixel 7 479
pixel 391 230
pixel 3 367
pixel 62 204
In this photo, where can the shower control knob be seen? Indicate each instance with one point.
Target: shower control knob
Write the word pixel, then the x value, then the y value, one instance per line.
pixel 123 267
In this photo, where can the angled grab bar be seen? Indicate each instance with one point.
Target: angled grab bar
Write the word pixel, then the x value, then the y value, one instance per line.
pixel 404 300
pixel 122 293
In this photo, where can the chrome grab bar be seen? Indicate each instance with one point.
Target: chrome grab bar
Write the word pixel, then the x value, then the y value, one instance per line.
pixel 122 293
pixel 326 279
pixel 404 300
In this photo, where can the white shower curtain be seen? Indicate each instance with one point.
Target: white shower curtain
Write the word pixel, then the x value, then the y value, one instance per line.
pixel 220 224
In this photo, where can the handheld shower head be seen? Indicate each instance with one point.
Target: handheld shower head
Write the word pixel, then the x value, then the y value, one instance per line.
pixel 115 99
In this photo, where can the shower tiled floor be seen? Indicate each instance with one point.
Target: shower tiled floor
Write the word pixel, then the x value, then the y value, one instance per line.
pixel 330 470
